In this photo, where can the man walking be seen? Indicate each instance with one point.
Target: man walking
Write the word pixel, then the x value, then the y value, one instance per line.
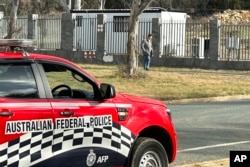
pixel 147 50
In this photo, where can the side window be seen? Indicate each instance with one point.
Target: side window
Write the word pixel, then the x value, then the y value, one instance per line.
pixel 17 81
pixel 67 83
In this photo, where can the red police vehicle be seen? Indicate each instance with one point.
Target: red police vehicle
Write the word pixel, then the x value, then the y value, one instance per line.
pixel 54 113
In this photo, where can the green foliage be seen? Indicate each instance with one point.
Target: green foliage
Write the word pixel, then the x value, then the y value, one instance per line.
pixel 235 4
pixel 212 4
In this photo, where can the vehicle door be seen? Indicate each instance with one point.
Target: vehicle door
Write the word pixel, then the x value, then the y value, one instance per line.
pixel 85 130
pixel 25 115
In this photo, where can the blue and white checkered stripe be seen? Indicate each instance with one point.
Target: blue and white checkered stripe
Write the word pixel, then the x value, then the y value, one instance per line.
pixel 30 147
pixel 36 147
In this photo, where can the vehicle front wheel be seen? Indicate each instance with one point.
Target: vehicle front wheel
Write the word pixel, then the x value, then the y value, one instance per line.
pixel 148 152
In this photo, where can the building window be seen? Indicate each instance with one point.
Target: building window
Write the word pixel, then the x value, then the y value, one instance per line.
pixel 121 23
pixel 79 20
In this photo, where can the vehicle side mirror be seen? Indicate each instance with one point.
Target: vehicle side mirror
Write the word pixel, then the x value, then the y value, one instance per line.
pixel 107 91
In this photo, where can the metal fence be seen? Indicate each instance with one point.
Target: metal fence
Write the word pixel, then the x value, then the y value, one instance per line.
pixel 185 39
pixel 21 24
pixel 197 39
pixel 178 39
pixel 48 32
pixel 174 38
pixel 116 35
pixel 85 33
pixel 235 42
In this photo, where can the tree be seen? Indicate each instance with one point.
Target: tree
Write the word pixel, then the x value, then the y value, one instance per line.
pixel 12 30
pixel 66 6
pixel 204 4
pixel 77 4
pixel 102 3
pixel 235 4
pixel 138 6
pixel 167 4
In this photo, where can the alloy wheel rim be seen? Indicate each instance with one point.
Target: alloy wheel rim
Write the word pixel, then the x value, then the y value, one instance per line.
pixel 150 159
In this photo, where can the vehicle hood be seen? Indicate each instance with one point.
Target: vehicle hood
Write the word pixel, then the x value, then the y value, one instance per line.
pixel 143 100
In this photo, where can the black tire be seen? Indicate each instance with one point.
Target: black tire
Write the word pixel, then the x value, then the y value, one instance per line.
pixel 148 152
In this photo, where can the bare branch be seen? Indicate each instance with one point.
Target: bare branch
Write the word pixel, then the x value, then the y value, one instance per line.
pixel 140 5
pixel 102 3
pixel 127 3
pixel 12 29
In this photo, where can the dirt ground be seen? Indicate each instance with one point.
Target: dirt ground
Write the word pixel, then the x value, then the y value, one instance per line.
pixel 215 163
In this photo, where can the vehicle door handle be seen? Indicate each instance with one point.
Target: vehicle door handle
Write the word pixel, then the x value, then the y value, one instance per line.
pixel 66 113
pixel 6 113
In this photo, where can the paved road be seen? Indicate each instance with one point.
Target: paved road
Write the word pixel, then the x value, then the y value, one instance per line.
pixel 208 131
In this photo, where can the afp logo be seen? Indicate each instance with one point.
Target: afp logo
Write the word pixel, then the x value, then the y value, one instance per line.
pixel 239 158
pixel 91 158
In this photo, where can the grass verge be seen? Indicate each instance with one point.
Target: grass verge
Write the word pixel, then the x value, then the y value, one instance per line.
pixel 174 83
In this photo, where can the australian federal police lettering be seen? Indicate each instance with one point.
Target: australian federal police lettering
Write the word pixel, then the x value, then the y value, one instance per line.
pixel 13 127
pixel 81 122
pixel 23 126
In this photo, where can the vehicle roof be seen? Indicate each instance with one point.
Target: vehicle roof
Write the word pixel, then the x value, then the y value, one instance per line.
pixel 21 55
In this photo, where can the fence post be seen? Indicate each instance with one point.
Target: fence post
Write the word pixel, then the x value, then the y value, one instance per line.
pixel 32 20
pixel 214 43
pixel 156 37
pixel 100 47
pixel 67 35
pixel 2 35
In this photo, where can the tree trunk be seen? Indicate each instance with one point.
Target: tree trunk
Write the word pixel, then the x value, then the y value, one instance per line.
pixel 102 4
pixel 66 6
pixel 13 18
pixel 77 4
pixel 132 53
pixel 138 7
pixel 132 46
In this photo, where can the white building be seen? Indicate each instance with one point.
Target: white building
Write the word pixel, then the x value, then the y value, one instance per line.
pixel 171 26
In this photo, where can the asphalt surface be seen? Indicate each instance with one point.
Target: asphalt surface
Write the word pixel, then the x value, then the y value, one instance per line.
pixel 208 129
pixel 213 163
